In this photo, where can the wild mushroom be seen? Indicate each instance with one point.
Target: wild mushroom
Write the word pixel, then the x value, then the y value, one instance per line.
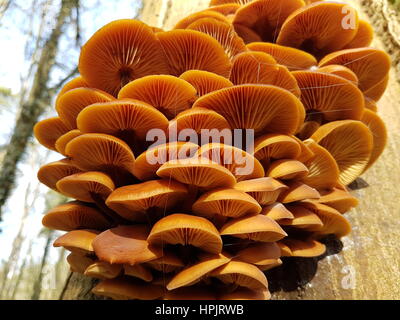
pixel 198 119
pixel 120 52
pixel 274 146
pixel 294 59
pixel 241 274
pixel 199 172
pixel 363 37
pixel 227 9
pixel 147 164
pixel 376 92
pixel 265 190
pixel 78 82
pixel 379 135
pixel 323 171
pixel 370 65
pixel 78 263
pixel 329 95
pixel 184 229
pixel 197 271
pixel 204 81
pixel 169 262
pixel 125 288
pixel 219 2
pixel 61 142
pixel 48 131
pixel 168 94
pixel 51 173
pixel 75 215
pixel 350 143
pixel 102 152
pixel 298 191
pixel 303 218
pixel 264 255
pixel 340 71
pixel 146 201
pixel 287 169
pixel 333 222
pixel 255 227
pixel 242 164
pixel 223 32
pixel 261 68
pixel 125 245
pixel 339 199
pixel 265 17
pixel 241 105
pixel 103 270
pixel 205 14
pixel 138 271
pixel 305 248
pixel 318 28
pixel 227 203
pixel 74 101
pixel 77 241
pixel 277 211
pixel 188 49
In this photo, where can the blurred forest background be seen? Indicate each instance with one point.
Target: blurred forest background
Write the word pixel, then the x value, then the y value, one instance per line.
pixel 40 43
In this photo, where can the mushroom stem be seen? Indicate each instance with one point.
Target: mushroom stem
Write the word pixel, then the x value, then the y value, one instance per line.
pixel 191 198
pixel 109 214
pixel 313 121
pixel 137 145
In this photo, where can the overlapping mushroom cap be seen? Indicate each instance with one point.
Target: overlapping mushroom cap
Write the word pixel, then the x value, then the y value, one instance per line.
pixel 201 157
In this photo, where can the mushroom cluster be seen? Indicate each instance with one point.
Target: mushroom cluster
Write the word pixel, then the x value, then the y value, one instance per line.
pixel 164 210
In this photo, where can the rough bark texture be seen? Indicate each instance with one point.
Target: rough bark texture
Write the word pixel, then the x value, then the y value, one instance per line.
pixel 38 100
pixel 366 264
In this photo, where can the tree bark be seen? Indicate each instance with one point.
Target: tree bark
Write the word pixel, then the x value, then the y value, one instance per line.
pixel 38 100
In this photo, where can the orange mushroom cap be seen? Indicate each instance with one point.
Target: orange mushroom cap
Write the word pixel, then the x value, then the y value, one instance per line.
pixel 260 254
pixel 94 151
pixel 223 32
pixel 77 241
pixel 205 14
pixel 132 202
pixel 219 2
pixel 196 272
pixel 226 9
pixel 287 169
pixel 61 142
pixel 103 270
pixel 189 49
pixel 370 65
pixel 350 143
pixel 226 202
pixel 51 173
pixel 322 167
pixel 305 248
pixel 82 186
pixel 242 105
pixel 204 81
pixel 265 190
pixel 298 191
pixel 247 34
pixel 340 71
pixel 185 229
pixel 125 288
pixel 242 274
pixel 379 135
pixel 339 199
pixel 376 92
pixel 294 59
pixel 199 172
pixel 363 37
pixel 125 245
pixel 318 28
pixel 242 164
pixel 78 82
pixel 334 97
pixel 277 211
pixel 255 227
pixel 48 131
pixel 74 215
pixel 147 164
pixel 198 119
pixel 79 263
pixel 168 94
pixel 120 52
pixel 266 17
pixel 169 262
pixel 138 271
pixel 74 101
pixel 261 68
pixel 303 218
pixel 124 118
pixel 276 146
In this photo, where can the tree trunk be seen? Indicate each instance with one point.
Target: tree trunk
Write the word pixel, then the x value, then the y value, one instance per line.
pixel 37 102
